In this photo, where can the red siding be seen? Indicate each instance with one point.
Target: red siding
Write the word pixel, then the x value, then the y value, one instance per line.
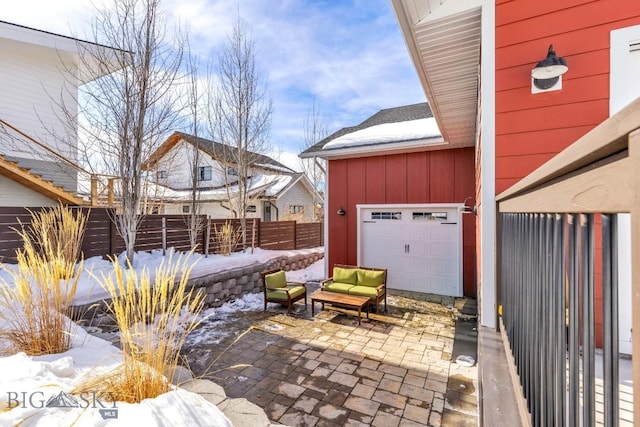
pixel 446 176
pixel 530 128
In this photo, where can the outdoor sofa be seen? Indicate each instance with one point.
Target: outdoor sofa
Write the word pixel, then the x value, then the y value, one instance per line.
pixel 363 281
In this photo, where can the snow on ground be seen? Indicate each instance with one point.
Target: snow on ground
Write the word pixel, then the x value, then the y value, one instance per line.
pixel 212 330
pixel 89 289
pixel 34 391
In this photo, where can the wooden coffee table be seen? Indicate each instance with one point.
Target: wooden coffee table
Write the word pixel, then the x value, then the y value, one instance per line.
pixel 340 300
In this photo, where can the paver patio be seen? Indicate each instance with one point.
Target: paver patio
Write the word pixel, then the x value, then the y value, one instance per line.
pixel 393 370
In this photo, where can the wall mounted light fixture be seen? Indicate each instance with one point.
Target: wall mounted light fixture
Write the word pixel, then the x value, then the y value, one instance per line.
pixel 468 209
pixel 546 75
pixel 341 212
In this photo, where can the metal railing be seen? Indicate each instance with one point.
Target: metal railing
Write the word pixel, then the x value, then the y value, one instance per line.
pixel 558 257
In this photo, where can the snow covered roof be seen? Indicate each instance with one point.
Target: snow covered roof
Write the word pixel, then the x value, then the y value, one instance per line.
pixel 411 130
pixel 268 185
pixel 406 128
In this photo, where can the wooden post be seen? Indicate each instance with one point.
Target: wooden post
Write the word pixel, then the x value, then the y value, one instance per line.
pixel 207 237
pixel 94 190
pixel 253 235
pixel 110 195
pixel 164 236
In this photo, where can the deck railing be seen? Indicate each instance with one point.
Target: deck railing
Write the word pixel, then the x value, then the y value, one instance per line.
pixel 558 273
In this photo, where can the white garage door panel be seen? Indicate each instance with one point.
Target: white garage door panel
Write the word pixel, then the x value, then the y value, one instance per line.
pixel 421 251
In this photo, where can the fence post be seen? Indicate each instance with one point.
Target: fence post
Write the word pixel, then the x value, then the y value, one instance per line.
pixel 164 236
pixel 295 235
pixel 207 237
pixel 113 232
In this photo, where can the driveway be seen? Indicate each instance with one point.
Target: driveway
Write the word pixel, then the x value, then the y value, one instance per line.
pixel 394 369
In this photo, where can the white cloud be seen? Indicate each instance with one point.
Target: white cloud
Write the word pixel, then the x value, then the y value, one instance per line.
pixel 349 56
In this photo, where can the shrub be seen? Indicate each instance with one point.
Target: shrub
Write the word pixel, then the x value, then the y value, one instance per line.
pixel 154 318
pixel 226 238
pixel 44 283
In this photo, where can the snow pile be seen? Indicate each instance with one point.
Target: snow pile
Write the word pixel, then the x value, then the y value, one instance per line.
pixel 410 130
pixel 36 391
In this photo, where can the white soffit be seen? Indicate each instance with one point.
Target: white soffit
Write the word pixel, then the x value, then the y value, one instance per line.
pixel 443 39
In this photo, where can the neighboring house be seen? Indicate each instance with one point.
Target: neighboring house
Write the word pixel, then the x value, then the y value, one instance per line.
pixel 38 153
pixel 396 190
pixel 275 191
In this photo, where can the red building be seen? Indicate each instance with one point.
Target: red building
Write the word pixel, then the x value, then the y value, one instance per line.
pixel 394 200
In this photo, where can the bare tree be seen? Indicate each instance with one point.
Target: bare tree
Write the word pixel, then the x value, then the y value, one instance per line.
pixel 315 130
pixel 196 222
pixel 240 117
pixel 126 112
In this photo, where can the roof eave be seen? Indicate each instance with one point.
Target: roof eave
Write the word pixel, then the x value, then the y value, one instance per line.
pixel 446 104
pixel 381 149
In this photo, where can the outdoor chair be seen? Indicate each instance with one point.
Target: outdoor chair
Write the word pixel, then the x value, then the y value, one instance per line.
pixel 277 289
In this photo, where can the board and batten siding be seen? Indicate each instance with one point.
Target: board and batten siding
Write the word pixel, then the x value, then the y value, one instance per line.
pixel 532 128
pixel 443 176
pixel 32 84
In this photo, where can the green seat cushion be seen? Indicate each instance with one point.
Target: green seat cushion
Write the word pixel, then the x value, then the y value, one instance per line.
pixel 342 288
pixel 294 291
pixel 276 280
pixel 363 291
pixel 370 278
pixel 345 275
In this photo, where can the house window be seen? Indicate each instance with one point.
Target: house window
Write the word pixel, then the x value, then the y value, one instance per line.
pixel 386 215
pixel 162 174
pixel 204 173
pixel 251 209
pixel 429 216
pixel 296 209
pixel 232 171
pixel 185 208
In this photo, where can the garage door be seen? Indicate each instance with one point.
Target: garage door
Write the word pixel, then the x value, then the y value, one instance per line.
pixel 420 245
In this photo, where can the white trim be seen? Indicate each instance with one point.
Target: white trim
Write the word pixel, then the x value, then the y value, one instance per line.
pixel 618 77
pixel 380 149
pixel 619 96
pixel 326 221
pixel 487 294
pixel 456 206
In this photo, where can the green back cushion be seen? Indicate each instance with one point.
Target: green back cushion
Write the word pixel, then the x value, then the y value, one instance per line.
pixel 370 278
pixel 345 275
pixel 275 280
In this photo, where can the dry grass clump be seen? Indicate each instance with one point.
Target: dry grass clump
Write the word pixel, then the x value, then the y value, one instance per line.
pixel 226 238
pixel 154 319
pixel 44 283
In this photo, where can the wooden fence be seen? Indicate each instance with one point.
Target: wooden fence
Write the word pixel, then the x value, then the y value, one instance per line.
pixel 163 231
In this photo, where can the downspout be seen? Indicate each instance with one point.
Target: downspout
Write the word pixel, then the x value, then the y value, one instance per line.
pixel 229 209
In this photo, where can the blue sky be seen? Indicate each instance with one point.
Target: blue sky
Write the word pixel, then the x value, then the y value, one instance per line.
pixel 347 55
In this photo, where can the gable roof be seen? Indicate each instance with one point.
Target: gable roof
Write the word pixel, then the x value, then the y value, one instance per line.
pixel 214 149
pixel 407 114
